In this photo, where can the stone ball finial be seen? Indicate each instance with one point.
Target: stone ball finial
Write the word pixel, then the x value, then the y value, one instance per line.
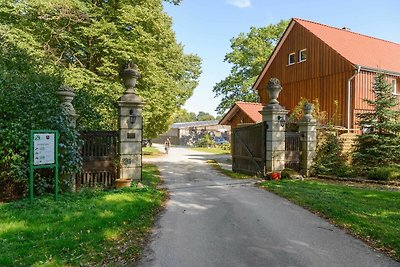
pixel 274 87
pixel 129 73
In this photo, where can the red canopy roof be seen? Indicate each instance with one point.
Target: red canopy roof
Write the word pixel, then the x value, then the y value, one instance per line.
pixel 251 109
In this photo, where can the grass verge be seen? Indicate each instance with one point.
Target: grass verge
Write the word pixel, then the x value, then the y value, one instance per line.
pixel 371 214
pixel 95 228
pixel 151 152
pixel 233 175
pixel 213 150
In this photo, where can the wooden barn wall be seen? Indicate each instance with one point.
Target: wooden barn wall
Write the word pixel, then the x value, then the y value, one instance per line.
pixel 363 86
pixel 323 75
pixel 240 117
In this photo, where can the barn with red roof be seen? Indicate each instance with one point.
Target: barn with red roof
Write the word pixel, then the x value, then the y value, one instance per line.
pixel 330 64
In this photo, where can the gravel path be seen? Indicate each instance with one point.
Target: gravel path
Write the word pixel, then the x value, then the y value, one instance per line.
pixel 211 220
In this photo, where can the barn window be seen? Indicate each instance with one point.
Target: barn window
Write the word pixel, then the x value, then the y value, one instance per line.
pixel 396 87
pixel 291 58
pixel 302 55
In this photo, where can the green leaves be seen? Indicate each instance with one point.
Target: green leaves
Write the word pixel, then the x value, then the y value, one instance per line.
pixel 249 53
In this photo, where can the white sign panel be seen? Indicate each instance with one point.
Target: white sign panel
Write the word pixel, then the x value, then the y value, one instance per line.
pixel 43 149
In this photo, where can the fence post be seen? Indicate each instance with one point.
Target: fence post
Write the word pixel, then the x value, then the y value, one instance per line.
pixel 65 95
pixel 130 127
pixel 308 130
pixel 274 116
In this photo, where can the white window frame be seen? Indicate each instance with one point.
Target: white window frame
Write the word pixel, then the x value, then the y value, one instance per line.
pixel 394 85
pixel 294 59
pixel 302 50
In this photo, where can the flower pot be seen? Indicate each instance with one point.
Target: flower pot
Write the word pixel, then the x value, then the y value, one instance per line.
pixel 120 183
pixel 275 175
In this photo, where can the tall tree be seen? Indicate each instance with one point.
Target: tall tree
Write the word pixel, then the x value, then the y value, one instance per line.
pixel 89 40
pixel 380 144
pixel 249 54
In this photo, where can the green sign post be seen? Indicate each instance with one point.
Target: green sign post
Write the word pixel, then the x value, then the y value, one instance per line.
pixel 43 154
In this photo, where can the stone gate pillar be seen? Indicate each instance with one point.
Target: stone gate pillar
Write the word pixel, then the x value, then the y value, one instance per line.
pixel 130 126
pixel 275 117
pixel 308 130
pixel 65 95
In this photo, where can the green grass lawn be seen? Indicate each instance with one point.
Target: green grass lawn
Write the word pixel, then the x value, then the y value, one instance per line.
pixel 85 228
pixel 151 151
pixel 213 150
pixel 233 175
pixel 370 213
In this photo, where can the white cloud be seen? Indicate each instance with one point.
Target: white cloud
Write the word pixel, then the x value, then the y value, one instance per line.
pixel 240 3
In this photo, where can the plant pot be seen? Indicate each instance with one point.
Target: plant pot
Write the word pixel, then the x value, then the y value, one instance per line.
pixel 121 183
pixel 275 176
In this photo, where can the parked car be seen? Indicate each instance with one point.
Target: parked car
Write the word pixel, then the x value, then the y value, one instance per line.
pixel 146 143
pixel 220 140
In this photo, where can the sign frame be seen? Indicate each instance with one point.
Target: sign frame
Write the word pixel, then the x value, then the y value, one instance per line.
pixel 32 166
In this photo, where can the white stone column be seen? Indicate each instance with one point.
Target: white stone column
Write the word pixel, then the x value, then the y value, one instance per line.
pixel 275 116
pixel 130 127
pixel 308 130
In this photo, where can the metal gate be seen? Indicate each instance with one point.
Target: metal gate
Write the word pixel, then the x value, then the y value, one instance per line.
pixel 292 150
pixel 99 153
pixel 248 149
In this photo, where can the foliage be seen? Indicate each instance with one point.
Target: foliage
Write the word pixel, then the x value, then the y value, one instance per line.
pixel 380 144
pixel 183 115
pixel 89 40
pixel 28 82
pixel 370 213
pixel 248 56
pixel 205 141
pixel 96 228
pixel 384 173
pixel 329 158
pixel 319 115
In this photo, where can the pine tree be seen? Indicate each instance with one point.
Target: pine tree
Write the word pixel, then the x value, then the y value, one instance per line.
pixel 380 145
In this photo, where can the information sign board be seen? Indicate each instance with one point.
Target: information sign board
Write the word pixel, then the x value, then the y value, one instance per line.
pixel 43 148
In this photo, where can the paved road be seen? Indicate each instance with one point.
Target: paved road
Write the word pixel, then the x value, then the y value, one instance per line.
pixel 211 220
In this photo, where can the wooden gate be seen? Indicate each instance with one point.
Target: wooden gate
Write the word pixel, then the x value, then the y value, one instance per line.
pixel 99 153
pixel 293 150
pixel 248 149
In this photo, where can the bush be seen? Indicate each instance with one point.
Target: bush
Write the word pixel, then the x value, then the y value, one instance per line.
pixel 384 174
pixel 205 141
pixel 28 82
pixel 329 158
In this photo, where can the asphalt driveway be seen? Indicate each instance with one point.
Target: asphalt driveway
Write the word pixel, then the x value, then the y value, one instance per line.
pixel 211 220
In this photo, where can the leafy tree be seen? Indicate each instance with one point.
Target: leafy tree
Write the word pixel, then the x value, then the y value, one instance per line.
pixel 89 40
pixel 184 116
pixel 248 56
pixel 380 144
pixel 204 116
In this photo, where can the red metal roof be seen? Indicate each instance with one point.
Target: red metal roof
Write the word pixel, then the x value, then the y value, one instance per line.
pixel 358 49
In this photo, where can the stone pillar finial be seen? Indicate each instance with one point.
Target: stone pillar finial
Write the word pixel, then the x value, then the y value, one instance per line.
pixel 308 109
pixel 129 74
pixel 66 94
pixel 274 88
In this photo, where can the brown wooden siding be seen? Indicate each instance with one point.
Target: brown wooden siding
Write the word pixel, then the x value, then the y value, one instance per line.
pixel 363 89
pixel 240 117
pixel 323 75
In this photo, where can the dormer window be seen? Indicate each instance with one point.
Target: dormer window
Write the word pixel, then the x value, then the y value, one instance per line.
pixel 291 58
pixel 302 55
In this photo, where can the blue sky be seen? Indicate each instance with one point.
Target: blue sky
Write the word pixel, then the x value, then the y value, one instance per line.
pixel 205 28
